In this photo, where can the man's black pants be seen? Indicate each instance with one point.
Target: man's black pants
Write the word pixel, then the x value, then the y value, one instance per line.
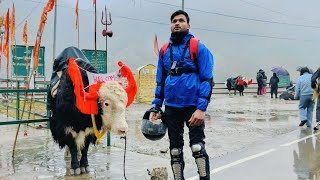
pixel 175 118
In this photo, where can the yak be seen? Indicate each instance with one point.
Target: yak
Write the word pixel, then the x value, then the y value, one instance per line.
pixel 71 125
pixel 238 83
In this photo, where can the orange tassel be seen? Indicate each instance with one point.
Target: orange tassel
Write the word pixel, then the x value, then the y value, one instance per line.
pixel 132 86
pixel 86 102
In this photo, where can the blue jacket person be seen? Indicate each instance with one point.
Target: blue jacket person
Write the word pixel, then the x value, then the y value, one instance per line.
pixel 184 84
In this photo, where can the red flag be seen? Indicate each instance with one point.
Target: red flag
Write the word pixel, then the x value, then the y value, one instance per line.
pixel 155 45
pixel 43 20
pixel 94 2
pixel 249 82
pixel 6 40
pixel 77 14
pixel 13 26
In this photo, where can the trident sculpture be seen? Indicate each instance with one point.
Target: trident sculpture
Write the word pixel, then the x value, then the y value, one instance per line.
pixel 105 32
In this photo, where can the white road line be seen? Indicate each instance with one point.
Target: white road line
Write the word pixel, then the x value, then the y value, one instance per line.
pixel 252 157
pixel 235 163
pixel 298 140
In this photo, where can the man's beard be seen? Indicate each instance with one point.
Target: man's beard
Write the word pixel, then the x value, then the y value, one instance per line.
pixel 177 37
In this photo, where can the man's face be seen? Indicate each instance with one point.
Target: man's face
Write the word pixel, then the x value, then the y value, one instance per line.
pixel 179 24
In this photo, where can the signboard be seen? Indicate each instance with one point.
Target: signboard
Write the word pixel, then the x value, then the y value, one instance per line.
pixel 284 81
pixel 146 82
pixel 19 61
pixel 101 63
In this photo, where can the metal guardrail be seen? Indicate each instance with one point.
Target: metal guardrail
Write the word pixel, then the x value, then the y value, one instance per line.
pixel 19 95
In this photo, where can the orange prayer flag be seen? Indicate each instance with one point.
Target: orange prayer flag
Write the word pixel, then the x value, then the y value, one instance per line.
pixel 77 14
pixel 6 38
pixel 13 25
pixel 43 20
pixel 49 6
pixel 25 33
pixel 25 40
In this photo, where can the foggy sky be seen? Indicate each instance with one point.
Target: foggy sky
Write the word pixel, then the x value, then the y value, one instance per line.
pixel 235 31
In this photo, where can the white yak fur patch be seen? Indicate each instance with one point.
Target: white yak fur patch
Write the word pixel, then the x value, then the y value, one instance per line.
pixel 80 137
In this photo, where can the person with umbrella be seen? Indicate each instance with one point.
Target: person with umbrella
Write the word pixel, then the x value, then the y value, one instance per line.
pixel 304 93
pixel 274 80
pixel 280 71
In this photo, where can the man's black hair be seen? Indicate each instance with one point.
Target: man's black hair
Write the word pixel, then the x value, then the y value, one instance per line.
pixel 304 70
pixel 178 13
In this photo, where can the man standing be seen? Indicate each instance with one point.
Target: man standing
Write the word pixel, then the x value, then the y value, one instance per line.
pixel 274 80
pixel 259 82
pixel 304 93
pixel 184 84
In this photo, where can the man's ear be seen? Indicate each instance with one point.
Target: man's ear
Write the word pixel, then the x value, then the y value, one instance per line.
pixel 189 26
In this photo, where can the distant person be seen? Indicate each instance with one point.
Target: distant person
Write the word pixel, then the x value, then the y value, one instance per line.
pixel 274 80
pixel 264 82
pixel 259 81
pixel 315 84
pixel 184 86
pixel 304 93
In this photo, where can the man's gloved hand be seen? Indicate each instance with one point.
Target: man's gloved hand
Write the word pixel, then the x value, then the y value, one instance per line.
pixel 155 113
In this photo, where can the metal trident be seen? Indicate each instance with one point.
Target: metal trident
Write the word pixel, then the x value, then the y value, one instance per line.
pixel 105 32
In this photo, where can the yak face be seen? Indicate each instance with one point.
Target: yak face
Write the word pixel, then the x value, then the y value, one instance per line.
pixel 113 100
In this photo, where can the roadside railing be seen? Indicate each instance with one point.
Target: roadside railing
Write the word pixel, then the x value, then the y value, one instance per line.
pixel 18 101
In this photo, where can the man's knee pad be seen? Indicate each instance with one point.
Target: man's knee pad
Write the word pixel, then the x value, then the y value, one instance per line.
pixel 177 163
pixel 202 159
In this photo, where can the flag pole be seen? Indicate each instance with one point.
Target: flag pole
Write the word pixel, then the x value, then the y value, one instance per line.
pixel 78 34
pixel 77 22
pixel 95 34
pixel 54 30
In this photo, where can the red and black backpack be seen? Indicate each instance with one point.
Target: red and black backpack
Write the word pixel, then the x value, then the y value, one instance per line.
pixel 192 44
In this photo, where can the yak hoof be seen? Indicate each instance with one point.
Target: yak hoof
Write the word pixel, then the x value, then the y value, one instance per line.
pixel 75 171
pixel 85 170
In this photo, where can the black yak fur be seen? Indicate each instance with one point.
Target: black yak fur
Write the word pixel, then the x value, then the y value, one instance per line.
pixel 64 114
pixel 64 110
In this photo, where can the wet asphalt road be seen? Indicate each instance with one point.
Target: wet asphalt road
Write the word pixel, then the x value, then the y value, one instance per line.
pixel 245 140
pixel 293 156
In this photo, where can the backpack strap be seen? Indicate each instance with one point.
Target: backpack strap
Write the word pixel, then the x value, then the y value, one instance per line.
pixel 192 44
pixel 164 48
pixel 194 49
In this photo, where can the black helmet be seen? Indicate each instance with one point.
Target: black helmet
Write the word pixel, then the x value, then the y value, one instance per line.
pixel 150 130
